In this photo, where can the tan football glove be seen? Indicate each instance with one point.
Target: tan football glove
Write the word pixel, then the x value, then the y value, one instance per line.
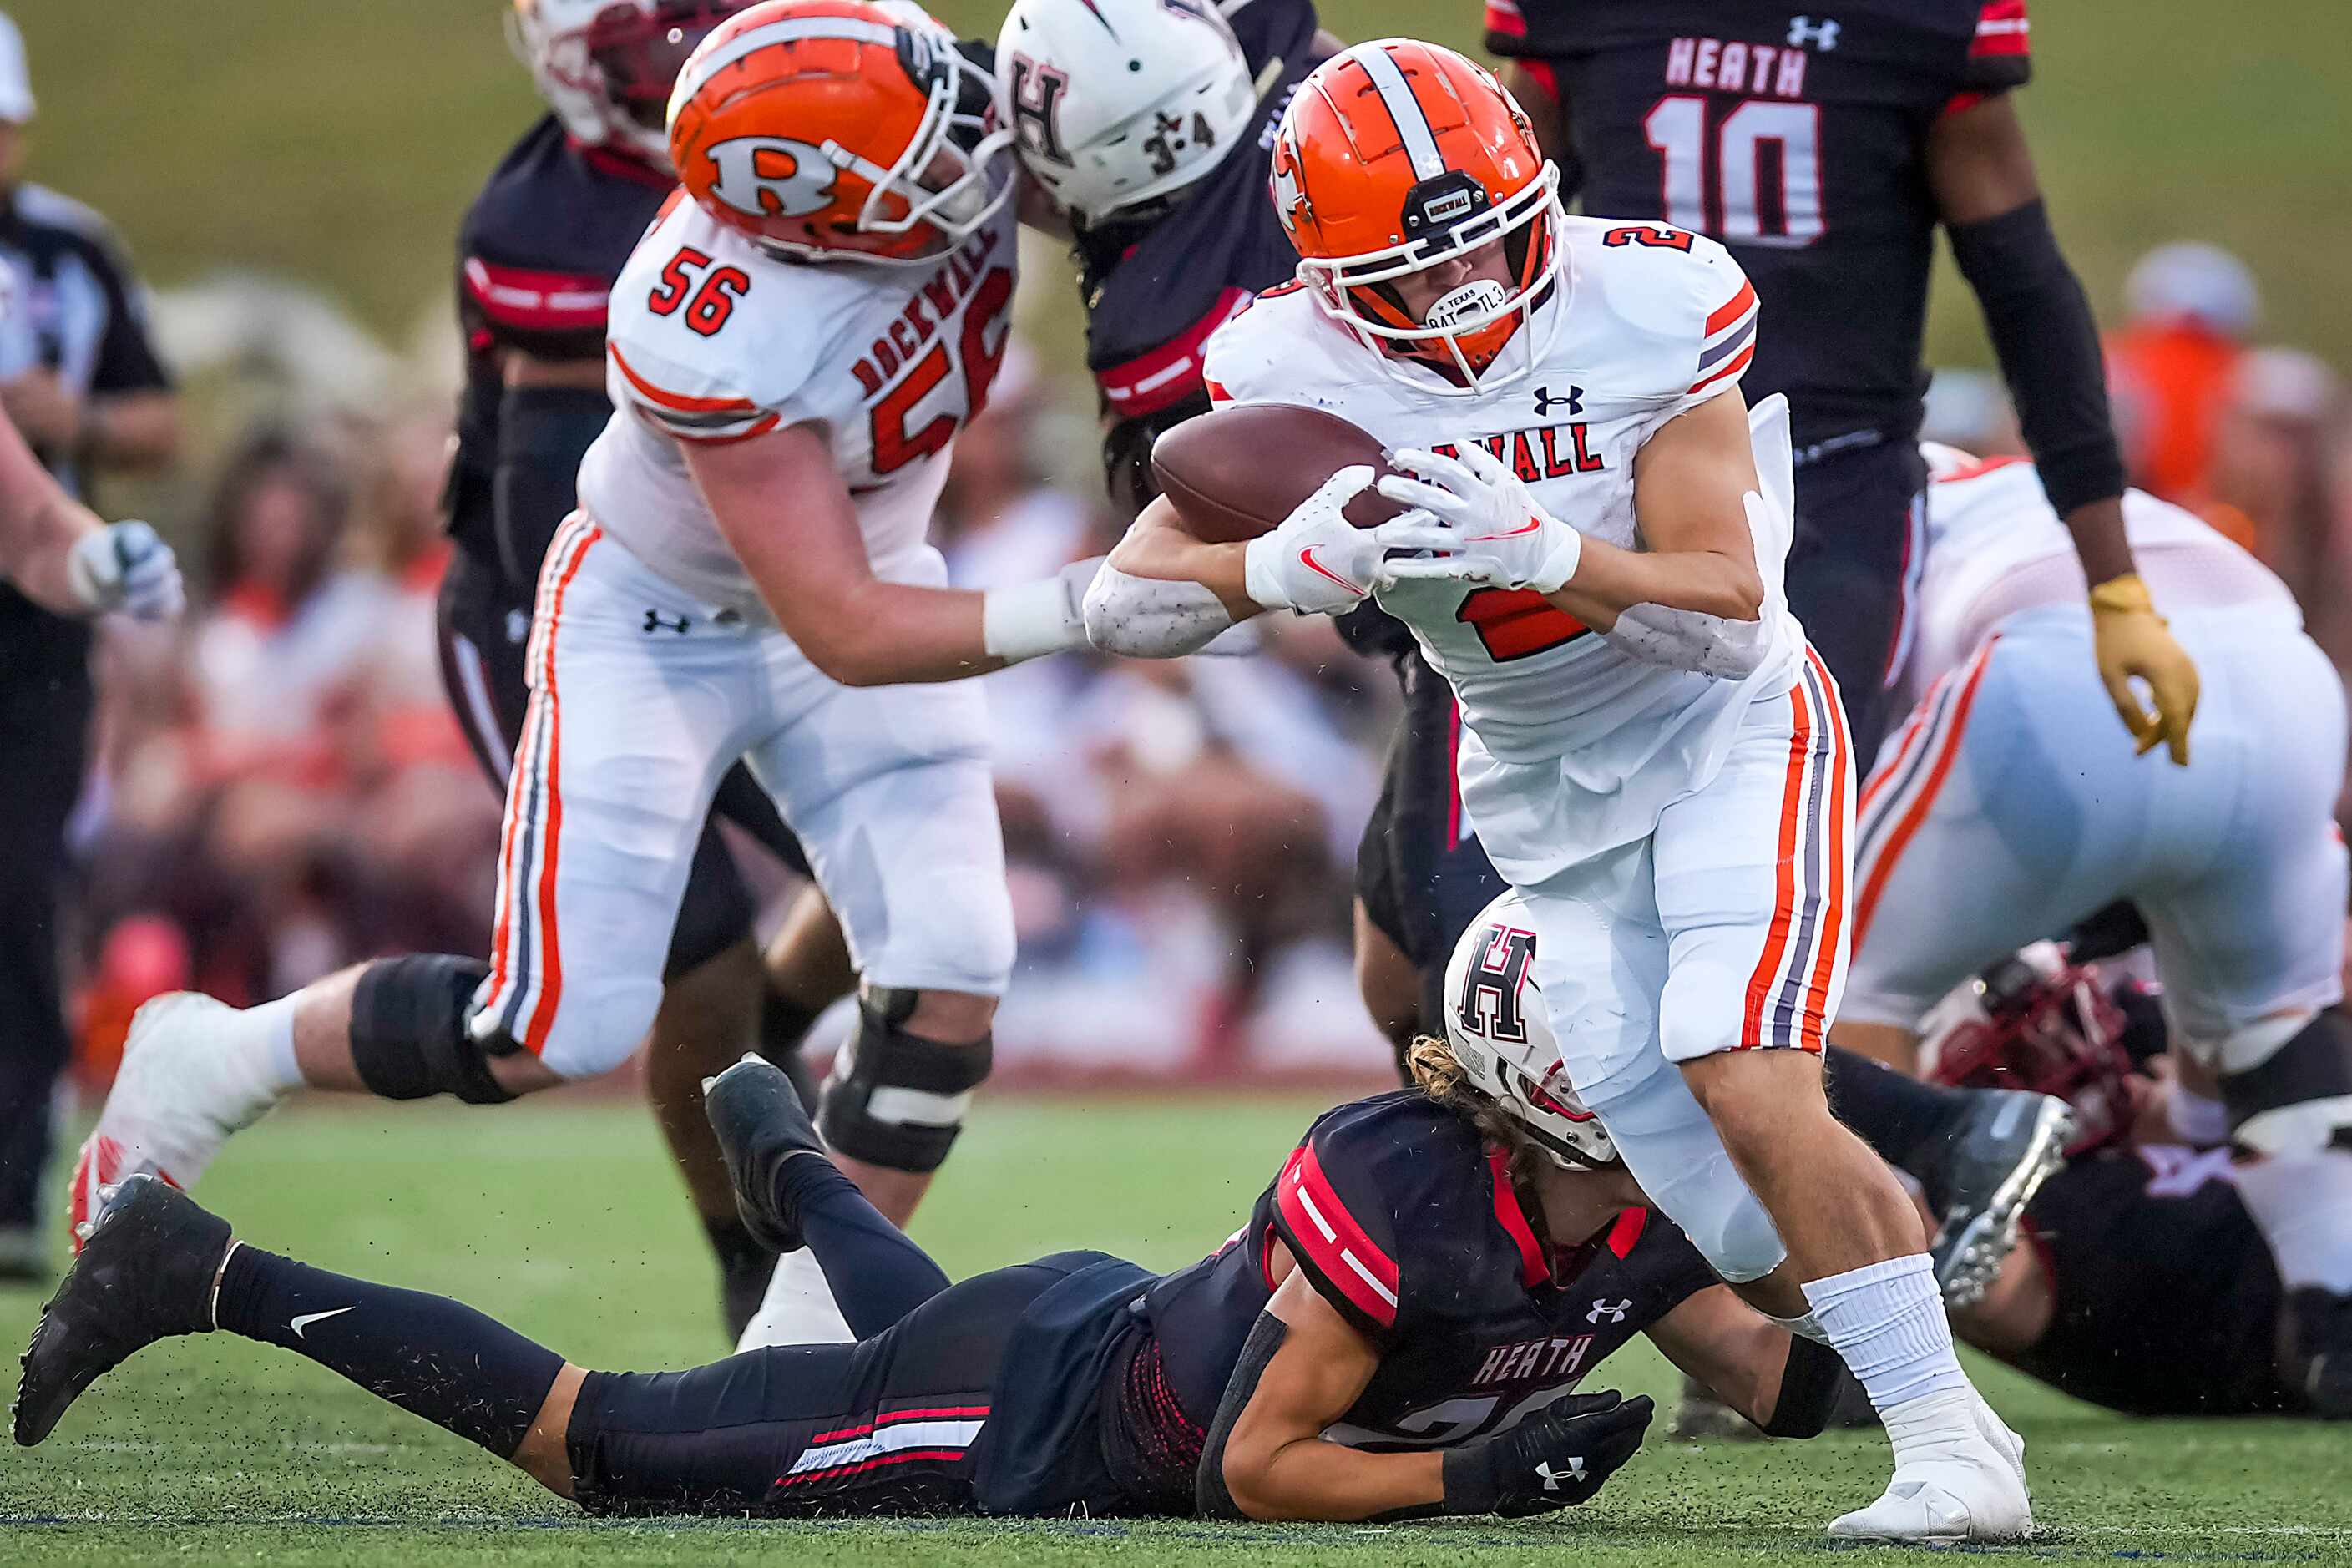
pixel 2131 639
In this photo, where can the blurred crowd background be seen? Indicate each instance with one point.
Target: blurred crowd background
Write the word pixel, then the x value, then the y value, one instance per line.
pixel 279 788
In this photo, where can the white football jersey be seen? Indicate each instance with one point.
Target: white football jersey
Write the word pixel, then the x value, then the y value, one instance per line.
pixel 1571 746
pixel 710 339
pixel 1995 547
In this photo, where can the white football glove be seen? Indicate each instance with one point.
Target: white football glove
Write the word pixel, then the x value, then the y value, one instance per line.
pixel 126 566
pixel 1317 563
pixel 1500 536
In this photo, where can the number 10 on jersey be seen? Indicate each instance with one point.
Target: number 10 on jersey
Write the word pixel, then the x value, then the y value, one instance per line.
pixel 1756 179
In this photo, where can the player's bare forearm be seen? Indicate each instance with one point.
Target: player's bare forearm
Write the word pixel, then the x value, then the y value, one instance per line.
pixel 1729 1346
pixel 1610 581
pixel 1276 1463
pixel 1157 545
pixel 134 430
pixel 2099 541
pixel 1690 483
pixel 39 525
pixel 808 560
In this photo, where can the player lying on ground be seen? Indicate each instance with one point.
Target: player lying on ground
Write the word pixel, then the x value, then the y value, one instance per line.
pixel 2145 1283
pixel 747 579
pixel 1652 754
pixel 2000 818
pixel 1397 1330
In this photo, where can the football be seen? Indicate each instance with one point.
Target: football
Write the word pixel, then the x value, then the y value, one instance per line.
pixel 1234 473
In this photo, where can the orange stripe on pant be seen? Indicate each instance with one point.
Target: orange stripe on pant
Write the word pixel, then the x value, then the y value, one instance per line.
pixel 1784 897
pixel 550 967
pixel 519 774
pixel 1947 751
pixel 1836 874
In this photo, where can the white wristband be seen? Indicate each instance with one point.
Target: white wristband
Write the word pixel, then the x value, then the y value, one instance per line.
pixel 1560 565
pixel 1030 620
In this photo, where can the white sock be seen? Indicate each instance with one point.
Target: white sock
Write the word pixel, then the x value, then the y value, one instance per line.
pixel 266 1051
pixel 1886 1321
pixel 1805 1328
pixel 2302 1205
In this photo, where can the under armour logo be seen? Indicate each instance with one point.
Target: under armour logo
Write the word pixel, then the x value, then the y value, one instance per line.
pixel 654 623
pixel 1544 401
pixel 1614 1311
pixel 1551 1478
pixel 1803 30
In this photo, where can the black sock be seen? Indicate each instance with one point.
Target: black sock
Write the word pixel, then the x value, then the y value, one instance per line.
pixel 430 1355
pixel 744 1269
pixel 877 1275
pixel 1898 1115
pixel 784 1025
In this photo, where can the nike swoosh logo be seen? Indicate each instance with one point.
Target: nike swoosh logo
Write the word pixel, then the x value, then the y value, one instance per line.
pixel 1307 556
pixel 1528 527
pixel 305 1319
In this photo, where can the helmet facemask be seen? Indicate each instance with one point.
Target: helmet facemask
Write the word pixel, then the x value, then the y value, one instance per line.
pixel 1466 329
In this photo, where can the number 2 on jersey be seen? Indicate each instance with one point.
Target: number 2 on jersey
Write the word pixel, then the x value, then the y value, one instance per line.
pixel 713 302
pixel 1756 147
pixel 1516 622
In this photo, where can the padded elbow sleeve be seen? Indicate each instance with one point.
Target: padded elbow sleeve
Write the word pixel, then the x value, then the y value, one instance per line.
pixel 2048 343
pixel 1151 617
pixel 543 432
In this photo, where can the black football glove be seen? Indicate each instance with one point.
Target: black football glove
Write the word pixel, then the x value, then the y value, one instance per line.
pixel 1551 1461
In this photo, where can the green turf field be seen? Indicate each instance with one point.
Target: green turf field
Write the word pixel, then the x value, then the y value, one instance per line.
pixel 565 1222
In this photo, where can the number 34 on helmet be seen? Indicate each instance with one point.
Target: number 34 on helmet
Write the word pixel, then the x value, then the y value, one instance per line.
pixel 833 131
pixel 1398 157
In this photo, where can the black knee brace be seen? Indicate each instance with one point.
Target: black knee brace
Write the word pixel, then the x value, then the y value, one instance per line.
pixel 409 1039
pixel 2314 1066
pixel 896 1099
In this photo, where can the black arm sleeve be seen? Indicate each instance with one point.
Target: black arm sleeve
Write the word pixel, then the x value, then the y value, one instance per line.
pixel 543 432
pixel 2041 328
pixel 1810 1383
pixel 1210 1493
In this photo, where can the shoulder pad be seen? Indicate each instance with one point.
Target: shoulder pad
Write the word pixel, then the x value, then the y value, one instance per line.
pixel 1253 357
pixel 1682 293
pixel 724 383
pixel 1389 1208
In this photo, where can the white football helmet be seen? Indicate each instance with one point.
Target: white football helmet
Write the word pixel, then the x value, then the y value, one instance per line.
pixel 1496 1028
pixel 1120 102
pixel 605 66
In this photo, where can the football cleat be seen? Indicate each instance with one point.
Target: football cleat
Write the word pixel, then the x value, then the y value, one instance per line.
pixel 179 1095
pixel 2323 1350
pixel 2007 1145
pixel 146 1273
pixel 1974 1493
pixel 761 1124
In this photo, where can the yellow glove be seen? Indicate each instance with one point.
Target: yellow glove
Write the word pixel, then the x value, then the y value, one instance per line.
pixel 2130 640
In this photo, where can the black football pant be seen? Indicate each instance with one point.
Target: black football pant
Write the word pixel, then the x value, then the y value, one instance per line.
pixel 484 626
pixel 1860 524
pixel 45 711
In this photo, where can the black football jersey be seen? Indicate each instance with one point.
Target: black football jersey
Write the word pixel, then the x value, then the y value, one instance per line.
pixel 1154 289
pixel 537 254
pixel 1798 139
pixel 1410 1228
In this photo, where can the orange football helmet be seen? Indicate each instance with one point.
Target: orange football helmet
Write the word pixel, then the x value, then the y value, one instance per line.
pixel 828 130
pixel 1395 156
